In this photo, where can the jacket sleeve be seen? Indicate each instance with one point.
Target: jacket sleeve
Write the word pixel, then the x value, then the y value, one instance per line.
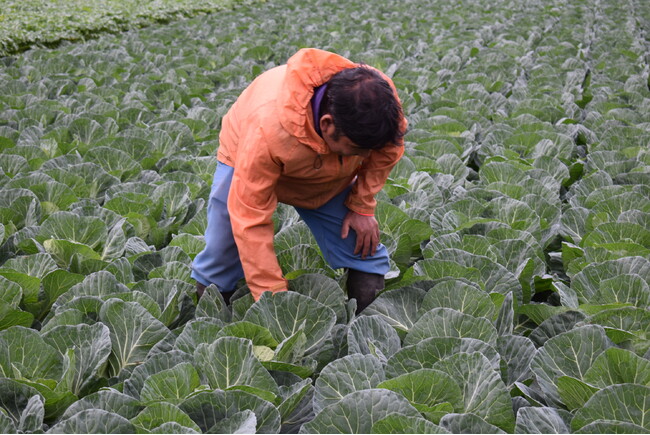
pixel 371 178
pixel 251 203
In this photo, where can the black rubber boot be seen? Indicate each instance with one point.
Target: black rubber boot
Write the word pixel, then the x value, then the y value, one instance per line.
pixel 200 289
pixel 226 296
pixel 363 287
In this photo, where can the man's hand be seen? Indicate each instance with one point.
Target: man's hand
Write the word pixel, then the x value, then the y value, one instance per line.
pixel 367 230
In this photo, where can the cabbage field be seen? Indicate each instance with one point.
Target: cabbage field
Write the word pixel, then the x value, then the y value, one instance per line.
pixel 518 224
pixel 27 23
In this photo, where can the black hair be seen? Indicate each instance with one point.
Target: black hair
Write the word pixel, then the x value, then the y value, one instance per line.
pixel 363 107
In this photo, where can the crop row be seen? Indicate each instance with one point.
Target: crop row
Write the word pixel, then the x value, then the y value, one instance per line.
pixel 29 23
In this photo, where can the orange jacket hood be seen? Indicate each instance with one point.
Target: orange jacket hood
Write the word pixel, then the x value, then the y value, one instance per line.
pixel 306 70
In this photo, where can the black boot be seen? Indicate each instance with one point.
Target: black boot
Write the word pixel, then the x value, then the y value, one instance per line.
pixel 200 289
pixel 363 287
pixel 226 296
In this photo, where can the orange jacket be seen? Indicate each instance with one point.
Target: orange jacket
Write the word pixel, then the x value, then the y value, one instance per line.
pixel 268 137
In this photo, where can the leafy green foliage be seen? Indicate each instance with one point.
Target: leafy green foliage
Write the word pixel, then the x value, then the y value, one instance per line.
pixel 39 22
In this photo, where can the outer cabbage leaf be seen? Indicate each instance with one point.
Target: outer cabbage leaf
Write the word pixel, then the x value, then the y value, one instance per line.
pixel 468 423
pixel 540 420
pixel 516 354
pixel 93 421
pixel 426 389
pixel 344 376
pixel 109 400
pixel 618 366
pixel 397 423
pixel 209 408
pixel 16 402
pixel 173 427
pixel 358 412
pixel 91 346
pixel 286 313
pixel 568 354
pixel 196 332
pixel 85 230
pixel 630 289
pixel 240 422
pixel 297 406
pixel 28 356
pixel 556 325
pixel 259 335
pixel 428 352
pixel 398 307
pixel 323 289
pixel 587 282
pixel 459 296
pixel 628 326
pixel 484 393
pixel 212 305
pixel 134 332
pixel 612 426
pixel 155 364
pixel 446 322
pixel 625 403
pixel 157 414
pixel 101 284
pixel 229 362
pixel 373 335
pixel 494 277
pixel 171 385
pixel 169 294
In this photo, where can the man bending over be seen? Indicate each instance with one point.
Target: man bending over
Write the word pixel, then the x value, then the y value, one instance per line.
pixel 320 133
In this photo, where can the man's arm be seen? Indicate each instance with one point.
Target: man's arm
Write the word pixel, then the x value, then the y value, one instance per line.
pixel 371 179
pixel 361 200
pixel 251 204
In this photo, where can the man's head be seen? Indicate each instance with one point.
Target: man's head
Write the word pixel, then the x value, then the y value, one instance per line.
pixel 360 106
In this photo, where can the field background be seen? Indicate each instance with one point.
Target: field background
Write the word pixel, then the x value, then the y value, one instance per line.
pixel 25 23
pixel 518 224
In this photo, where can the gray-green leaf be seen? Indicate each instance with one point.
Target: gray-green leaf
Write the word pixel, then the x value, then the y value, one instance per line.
pixel 446 322
pixel 397 423
pixel 568 354
pixel 540 420
pixel 94 421
pixel 286 313
pixel 242 422
pixel 344 376
pixel 229 362
pixel 469 424
pixel 374 336
pixel 484 393
pixel 427 387
pixel 91 345
pixel 398 307
pixel 134 332
pixel 209 408
pixel 157 414
pixel 358 412
pixel 172 385
pixel 109 400
pixel 627 403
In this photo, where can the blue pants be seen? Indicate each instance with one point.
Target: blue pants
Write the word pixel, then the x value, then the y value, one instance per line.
pixel 219 262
